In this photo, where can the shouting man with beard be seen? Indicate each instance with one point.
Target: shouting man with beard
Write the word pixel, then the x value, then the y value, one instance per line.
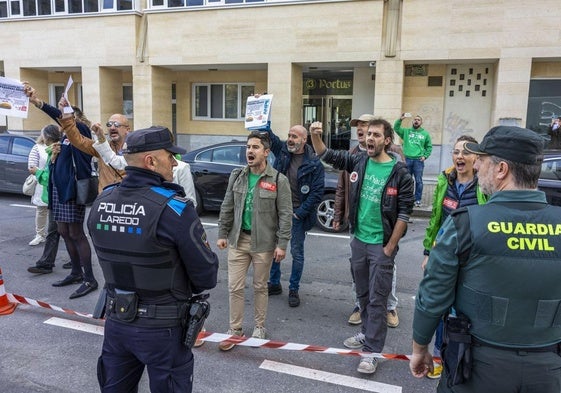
pixel 255 218
pixel 381 200
pixel 341 214
pixel 297 161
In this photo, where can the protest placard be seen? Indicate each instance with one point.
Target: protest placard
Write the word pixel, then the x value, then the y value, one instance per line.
pixel 258 111
pixel 13 101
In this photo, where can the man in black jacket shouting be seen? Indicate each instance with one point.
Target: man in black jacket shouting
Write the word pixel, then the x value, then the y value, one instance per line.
pixel 381 200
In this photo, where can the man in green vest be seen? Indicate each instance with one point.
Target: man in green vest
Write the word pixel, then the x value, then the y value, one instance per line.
pixel 496 268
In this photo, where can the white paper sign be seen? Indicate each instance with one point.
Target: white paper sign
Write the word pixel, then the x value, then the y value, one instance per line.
pixel 13 101
pixel 258 111
pixel 68 109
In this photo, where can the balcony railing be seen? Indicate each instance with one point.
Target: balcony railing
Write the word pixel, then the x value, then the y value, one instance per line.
pixel 17 9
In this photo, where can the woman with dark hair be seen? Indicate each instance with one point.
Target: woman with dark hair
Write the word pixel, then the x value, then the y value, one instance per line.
pixel 69 164
pixel 456 187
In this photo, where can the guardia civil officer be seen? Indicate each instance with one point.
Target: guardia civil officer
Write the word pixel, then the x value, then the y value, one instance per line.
pixel 498 265
pixel 154 254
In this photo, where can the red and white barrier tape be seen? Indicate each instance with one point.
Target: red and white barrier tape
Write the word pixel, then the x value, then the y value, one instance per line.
pixel 236 340
pixel 37 303
pixel 259 343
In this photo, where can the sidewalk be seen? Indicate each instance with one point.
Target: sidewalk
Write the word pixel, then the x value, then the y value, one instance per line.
pixel 429 184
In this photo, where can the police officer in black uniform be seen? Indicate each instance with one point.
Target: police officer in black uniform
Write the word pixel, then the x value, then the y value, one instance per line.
pixel 154 254
pixel 498 266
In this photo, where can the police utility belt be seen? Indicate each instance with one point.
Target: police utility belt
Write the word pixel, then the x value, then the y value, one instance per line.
pixel 457 349
pixel 191 315
pixel 125 307
pixel 556 348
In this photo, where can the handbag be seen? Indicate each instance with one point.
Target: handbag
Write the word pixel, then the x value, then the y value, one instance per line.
pixel 86 190
pixel 29 185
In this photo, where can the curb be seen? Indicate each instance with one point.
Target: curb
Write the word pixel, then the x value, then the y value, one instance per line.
pixel 422 212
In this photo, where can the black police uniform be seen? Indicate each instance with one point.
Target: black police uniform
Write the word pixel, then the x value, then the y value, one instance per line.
pixel 154 254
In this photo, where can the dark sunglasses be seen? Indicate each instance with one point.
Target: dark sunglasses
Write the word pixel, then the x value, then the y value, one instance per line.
pixel 114 123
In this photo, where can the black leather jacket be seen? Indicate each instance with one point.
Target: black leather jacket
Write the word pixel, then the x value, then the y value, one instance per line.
pixel 398 198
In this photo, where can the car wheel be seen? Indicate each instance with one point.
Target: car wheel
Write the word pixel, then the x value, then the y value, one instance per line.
pixel 325 213
pixel 200 208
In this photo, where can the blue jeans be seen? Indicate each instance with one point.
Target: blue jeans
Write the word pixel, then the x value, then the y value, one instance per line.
pixel 297 253
pixel 416 168
pixel 438 337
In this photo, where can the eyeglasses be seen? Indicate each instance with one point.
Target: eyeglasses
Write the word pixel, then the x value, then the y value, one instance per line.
pixel 463 152
pixel 114 123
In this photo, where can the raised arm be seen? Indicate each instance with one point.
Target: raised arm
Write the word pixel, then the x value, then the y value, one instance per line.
pixel 316 130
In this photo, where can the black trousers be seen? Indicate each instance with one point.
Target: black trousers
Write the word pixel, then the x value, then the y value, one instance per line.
pixel 128 348
pixel 503 371
pixel 51 244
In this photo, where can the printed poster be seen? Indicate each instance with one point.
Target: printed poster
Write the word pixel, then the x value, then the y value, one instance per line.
pixel 258 111
pixel 13 101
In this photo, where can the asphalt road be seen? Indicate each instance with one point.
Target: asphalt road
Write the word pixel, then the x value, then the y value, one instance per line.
pixel 42 350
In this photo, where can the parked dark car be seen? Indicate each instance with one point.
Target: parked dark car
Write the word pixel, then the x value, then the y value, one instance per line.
pixel 211 167
pixel 550 176
pixel 14 151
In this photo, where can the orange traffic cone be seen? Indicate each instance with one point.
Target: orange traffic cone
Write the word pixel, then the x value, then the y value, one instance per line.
pixel 5 306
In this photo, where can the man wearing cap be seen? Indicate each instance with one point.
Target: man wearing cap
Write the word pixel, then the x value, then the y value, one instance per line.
pixel 154 254
pixel 341 215
pixel 498 265
pixel 417 147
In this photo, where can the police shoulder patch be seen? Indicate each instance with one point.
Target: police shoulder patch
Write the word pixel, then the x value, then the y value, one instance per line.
pixel 181 199
pixel 204 240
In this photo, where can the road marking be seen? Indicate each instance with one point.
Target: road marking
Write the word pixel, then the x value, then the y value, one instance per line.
pixel 81 326
pixel 336 379
pixel 28 206
pixel 303 372
pixel 318 234
pixel 210 224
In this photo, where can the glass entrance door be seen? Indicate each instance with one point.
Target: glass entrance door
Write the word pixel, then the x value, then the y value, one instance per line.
pixel 335 114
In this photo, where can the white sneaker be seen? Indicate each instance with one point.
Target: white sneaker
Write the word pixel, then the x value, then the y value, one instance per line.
pixel 367 365
pixel 259 332
pixel 355 342
pixel 37 240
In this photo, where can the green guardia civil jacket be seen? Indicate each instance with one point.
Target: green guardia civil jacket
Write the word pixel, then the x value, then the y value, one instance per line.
pixel 501 270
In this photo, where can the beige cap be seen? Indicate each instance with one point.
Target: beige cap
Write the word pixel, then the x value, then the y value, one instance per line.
pixel 365 118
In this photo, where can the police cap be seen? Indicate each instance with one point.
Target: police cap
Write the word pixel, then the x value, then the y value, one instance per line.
pixel 148 139
pixel 511 143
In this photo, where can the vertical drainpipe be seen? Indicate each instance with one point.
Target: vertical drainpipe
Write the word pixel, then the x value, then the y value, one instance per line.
pixel 391 24
pixel 141 47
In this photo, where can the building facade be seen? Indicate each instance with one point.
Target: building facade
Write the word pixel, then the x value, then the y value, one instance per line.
pixel 464 66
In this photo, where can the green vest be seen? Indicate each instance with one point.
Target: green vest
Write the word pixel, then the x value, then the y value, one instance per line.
pixel 508 285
